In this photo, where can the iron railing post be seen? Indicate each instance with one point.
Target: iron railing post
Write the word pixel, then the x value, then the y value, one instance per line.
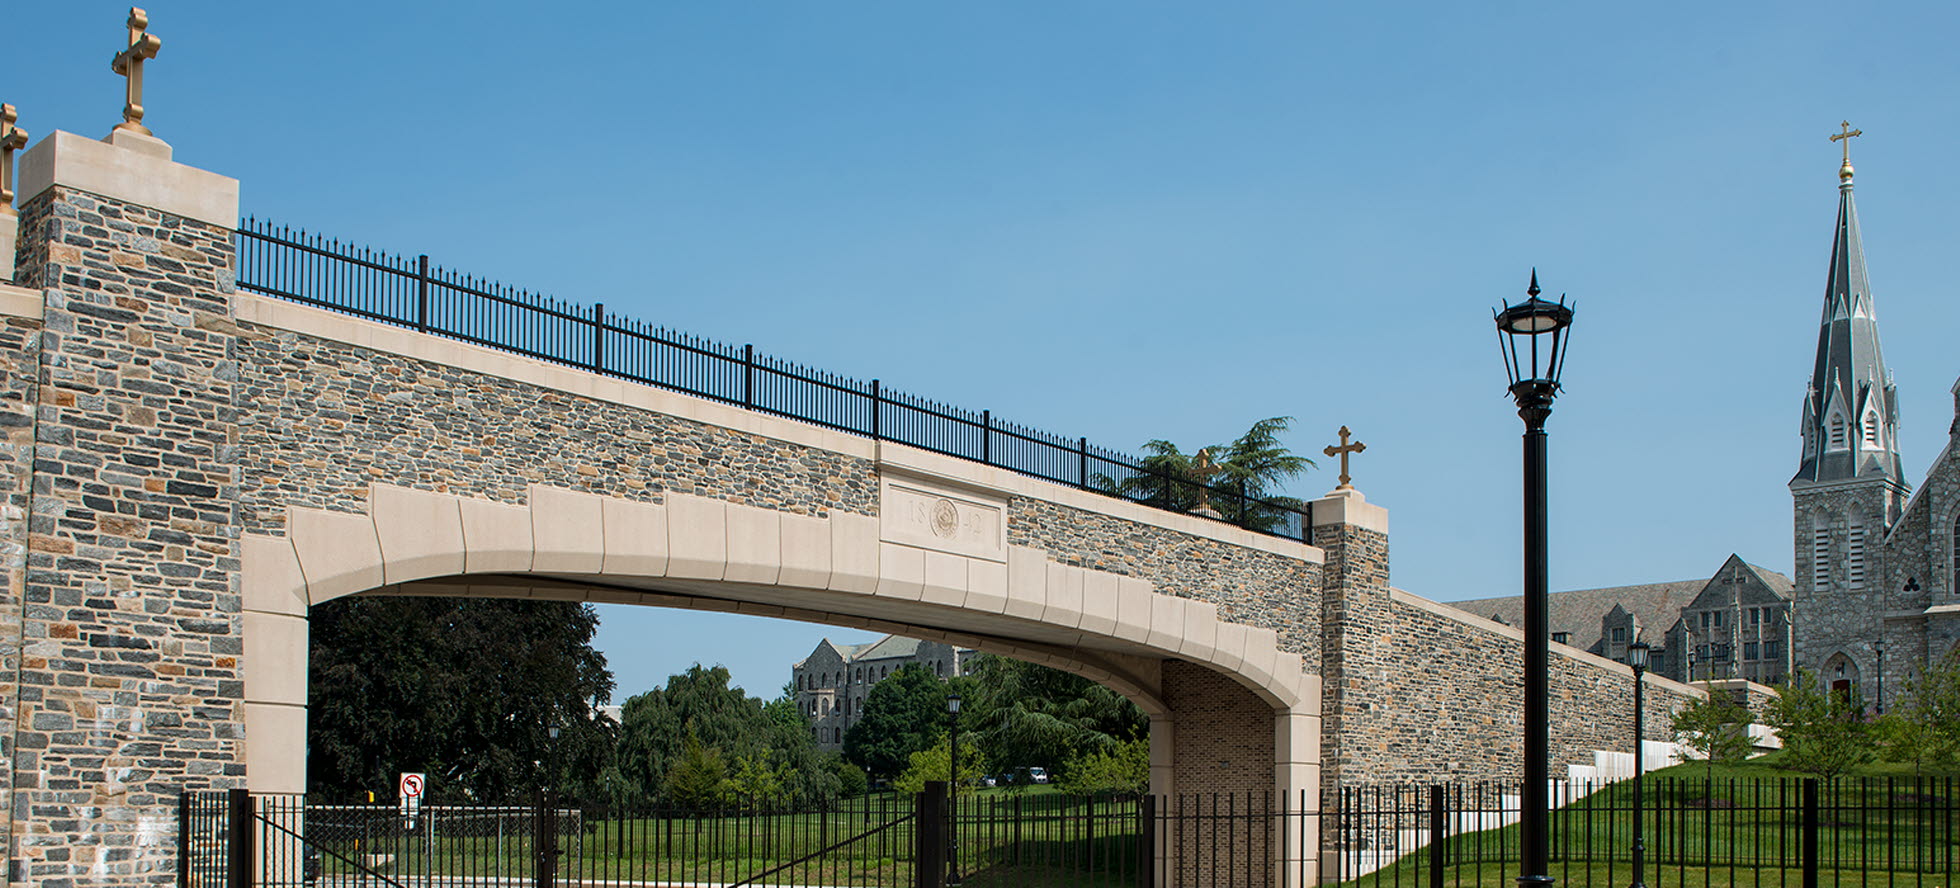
pixel 929 853
pixel 987 437
pixel 748 375
pixel 1438 828
pixel 184 838
pixel 238 839
pixel 598 337
pixel 877 429
pixel 1082 448
pixel 1147 851
pixel 546 844
pixel 1810 826
pixel 421 292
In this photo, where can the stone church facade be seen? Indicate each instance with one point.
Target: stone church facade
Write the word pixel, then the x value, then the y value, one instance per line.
pixel 1877 561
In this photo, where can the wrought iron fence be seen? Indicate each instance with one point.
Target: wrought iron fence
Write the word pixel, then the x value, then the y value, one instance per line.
pixel 294 265
pixel 1891 833
pixel 1755 832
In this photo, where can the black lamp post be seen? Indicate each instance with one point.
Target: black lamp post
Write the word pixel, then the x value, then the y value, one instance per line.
pixel 953 801
pixel 1532 336
pixel 1637 658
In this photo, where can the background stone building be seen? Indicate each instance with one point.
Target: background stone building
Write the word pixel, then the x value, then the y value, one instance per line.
pixel 834 680
pixel 1735 624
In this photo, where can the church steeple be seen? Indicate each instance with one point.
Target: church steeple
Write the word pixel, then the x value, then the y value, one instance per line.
pixel 1850 415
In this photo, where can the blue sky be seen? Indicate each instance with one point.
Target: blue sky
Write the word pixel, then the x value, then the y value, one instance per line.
pixel 1140 220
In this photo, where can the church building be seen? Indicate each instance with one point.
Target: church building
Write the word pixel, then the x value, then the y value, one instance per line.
pixel 1877 562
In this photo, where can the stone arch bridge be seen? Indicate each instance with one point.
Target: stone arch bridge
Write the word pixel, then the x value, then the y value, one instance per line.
pixel 190 466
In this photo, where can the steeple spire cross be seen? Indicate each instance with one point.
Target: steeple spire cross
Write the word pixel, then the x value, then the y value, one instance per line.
pixel 1846 136
pixel 129 63
pixel 1345 449
pixel 12 139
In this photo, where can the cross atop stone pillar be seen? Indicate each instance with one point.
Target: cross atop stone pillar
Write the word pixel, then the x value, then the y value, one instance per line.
pixel 143 46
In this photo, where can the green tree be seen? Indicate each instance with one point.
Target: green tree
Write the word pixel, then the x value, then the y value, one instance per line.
pixel 756 782
pixel 851 781
pixel 902 715
pixel 1924 728
pixel 1123 769
pixel 1256 462
pixel 935 762
pixel 1717 727
pixel 463 689
pixel 1823 730
pixel 655 726
pixel 1026 715
pixel 697 780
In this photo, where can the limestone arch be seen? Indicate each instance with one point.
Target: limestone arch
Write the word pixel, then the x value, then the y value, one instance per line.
pixel 701 553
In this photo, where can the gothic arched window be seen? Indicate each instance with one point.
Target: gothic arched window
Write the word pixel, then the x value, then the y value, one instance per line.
pixel 1871 429
pixel 1837 433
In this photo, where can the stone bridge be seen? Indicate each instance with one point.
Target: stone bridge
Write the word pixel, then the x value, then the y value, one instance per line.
pixel 189 467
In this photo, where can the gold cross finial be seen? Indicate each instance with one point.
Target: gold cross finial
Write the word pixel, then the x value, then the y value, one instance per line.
pixel 12 138
pixel 1342 452
pixel 129 63
pixel 1204 468
pixel 1844 172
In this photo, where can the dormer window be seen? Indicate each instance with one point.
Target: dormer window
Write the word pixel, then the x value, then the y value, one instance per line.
pixel 1837 433
pixel 1871 430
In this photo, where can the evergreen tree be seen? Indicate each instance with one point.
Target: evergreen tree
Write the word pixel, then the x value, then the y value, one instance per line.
pixel 696 781
pixel 1026 715
pixel 1256 463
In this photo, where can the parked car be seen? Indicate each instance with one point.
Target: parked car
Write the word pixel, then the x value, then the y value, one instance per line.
pixel 1037 775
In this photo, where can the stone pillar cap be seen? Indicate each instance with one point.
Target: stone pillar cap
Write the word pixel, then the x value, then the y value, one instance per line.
pixel 1346 505
pixel 131 169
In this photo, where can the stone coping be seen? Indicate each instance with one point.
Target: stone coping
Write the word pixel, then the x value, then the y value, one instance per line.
pixel 325 324
pixel 20 302
pixel 1442 609
pixel 129 175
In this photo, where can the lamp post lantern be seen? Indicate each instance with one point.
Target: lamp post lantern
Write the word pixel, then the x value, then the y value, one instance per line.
pixel 1531 334
pixel 1637 658
pixel 953 799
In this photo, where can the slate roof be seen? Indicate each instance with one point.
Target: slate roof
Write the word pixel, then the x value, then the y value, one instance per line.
pixel 883 648
pixel 1577 612
pixel 1850 376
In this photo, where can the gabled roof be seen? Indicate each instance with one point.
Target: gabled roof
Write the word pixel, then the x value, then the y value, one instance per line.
pixel 1778 585
pixel 1655 606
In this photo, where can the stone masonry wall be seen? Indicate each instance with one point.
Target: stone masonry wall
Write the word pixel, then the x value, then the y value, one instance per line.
pixel 331 418
pixel 20 351
pixel 129 686
pixel 1250 586
pixel 1411 694
pixel 1443 699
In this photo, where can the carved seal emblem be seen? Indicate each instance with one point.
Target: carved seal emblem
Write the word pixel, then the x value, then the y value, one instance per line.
pixel 945 518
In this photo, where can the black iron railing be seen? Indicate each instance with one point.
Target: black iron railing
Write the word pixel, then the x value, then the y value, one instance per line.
pixel 1698 832
pixel 411 292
